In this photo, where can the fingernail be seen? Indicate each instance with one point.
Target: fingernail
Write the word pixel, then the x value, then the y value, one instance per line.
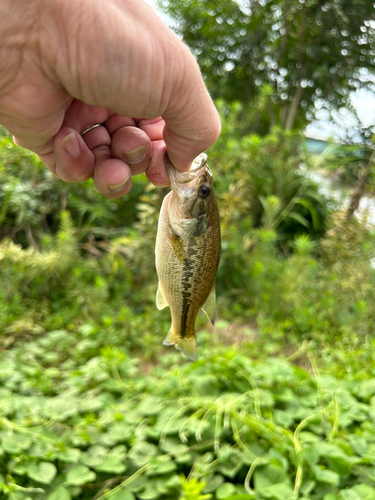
pixel 116 188
pixel 135 155
pixel 71 145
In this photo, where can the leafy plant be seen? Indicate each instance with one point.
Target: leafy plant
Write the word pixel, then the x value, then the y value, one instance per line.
pixel 100 429
pixel 260 178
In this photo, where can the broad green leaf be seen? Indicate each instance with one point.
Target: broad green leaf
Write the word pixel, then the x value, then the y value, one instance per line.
pixel 94 455
pixel 138 483
pixel 122 495
pixel 332 450
pixel 43 449
pixel 110 464
pixel 14 443
pixel 327 476
pixel 60 493
pixel 364 491
pixel 120 432
pixel 213 484
pixel 230 469
pixel 151 405
pixel 283 418
pixel 79 475
pixel 358 444
pixel 225 490
pixel 366 389
pixel 242 496
pixel 159 466
pixel 370 451
pixel 278 491
pixel 149 493
pixel 349 495
pixel 161 486
pixel 44 472
pixel 311 454
pixel 69 455
pixel 307 487
pixel 141 453
pixel 269 475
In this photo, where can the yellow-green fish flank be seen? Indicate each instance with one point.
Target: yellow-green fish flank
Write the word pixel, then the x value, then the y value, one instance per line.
pixel 188 252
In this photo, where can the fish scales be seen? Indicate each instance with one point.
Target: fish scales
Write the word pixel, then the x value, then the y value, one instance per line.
pixel 188 253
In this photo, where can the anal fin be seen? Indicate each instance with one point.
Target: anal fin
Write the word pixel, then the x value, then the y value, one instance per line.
pixel 209 307
pixel 187 346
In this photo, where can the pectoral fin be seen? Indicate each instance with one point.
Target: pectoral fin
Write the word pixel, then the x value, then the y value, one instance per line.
pixel 160 299
pixel 178 249
pixel 209 307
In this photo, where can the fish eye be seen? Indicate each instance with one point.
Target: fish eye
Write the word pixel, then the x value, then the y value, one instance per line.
pixel 204 191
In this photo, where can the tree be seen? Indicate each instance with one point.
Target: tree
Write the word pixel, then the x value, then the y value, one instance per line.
pixel 289 52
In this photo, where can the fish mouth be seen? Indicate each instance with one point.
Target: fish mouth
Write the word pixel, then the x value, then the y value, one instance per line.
pixel 197 168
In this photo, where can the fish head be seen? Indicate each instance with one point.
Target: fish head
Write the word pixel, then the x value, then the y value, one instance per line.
pixel 193 191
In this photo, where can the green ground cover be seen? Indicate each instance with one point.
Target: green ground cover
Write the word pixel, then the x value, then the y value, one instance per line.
pixel 281 402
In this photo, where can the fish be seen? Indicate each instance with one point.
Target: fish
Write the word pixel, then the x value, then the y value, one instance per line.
pixel 187 252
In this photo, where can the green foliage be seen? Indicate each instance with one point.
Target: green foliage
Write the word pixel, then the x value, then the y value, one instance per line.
pixel 31 199
pixel 92 406
pixel 262 184
pixel 346 160
pixel 301 51
pixel 322 294
pixel 241 429
pixel 192 489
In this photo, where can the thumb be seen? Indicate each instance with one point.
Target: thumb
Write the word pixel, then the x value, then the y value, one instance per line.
pixel 192 123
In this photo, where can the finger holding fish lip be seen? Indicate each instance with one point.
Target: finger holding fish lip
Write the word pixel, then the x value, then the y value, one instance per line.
pixel 156 172
pixel 138 143
pixel 133 146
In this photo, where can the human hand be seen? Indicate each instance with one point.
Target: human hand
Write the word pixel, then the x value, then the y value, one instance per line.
pixel 66 65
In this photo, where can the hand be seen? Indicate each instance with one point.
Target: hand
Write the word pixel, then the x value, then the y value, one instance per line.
pixel 66 65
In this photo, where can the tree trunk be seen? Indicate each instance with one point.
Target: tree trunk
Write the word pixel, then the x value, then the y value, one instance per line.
pixel 360 189
pixel 294 108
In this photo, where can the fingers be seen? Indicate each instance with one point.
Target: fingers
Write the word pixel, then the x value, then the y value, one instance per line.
pixel 108 152
pixel 156 74
pixel 133 146
pixel 192 121
pixel 156 172
pixel 81 116
pixel 73 160
pixel 112 177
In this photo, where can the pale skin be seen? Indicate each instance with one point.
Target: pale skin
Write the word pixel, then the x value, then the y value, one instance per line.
pixel 66 65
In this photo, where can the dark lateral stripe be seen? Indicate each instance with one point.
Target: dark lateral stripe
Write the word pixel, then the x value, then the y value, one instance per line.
pixel 187 275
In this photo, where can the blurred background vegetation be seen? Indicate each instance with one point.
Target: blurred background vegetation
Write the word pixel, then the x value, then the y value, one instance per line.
pixel 281 402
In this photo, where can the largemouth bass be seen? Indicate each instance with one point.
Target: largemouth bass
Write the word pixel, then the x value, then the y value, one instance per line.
pixel 188 252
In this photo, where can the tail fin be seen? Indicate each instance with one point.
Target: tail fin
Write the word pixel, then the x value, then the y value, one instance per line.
pixel 188 346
